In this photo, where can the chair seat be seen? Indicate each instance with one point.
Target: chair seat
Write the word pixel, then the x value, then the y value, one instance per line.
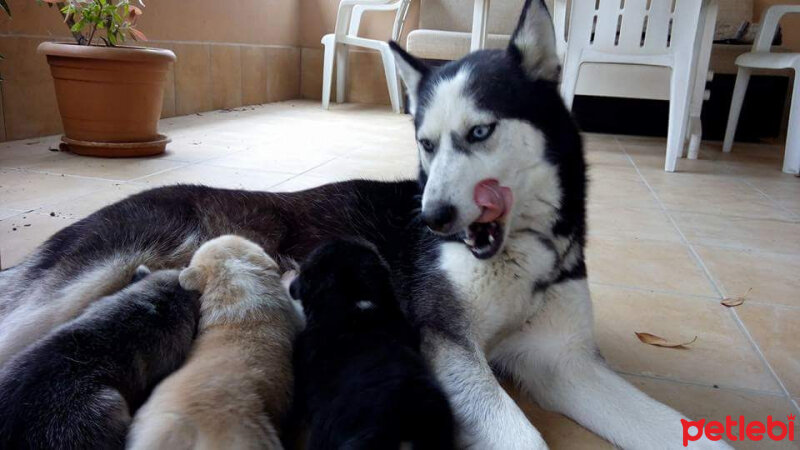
pixel 769 60
pixel 448 45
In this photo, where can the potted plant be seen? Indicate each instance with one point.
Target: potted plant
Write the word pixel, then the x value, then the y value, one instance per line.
pixel 109 95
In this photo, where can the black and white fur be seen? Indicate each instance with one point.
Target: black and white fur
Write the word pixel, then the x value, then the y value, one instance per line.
pixel 79 386
pixel 523 307
pixel 360 380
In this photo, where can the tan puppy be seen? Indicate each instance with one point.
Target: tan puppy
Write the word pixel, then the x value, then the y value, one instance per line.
pixel 237 383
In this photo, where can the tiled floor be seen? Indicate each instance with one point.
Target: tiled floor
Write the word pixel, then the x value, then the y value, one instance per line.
pixel 663 248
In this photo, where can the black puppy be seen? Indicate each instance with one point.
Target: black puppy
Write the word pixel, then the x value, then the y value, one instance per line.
pixel 360 380
pixel 78 387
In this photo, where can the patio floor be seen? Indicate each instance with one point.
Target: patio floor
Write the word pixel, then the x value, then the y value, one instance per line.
pixel 663 248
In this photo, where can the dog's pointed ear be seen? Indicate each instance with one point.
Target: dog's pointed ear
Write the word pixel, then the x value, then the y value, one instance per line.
pixel 533 43
pixel 412 70
pixel 192 279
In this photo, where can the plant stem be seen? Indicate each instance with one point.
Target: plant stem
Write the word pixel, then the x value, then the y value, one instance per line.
pixel 91 36
pixel 79 37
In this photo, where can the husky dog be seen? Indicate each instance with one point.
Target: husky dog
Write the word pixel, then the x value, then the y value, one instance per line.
pixel 78 386
pixel 237 384
pixel 496 277
pixel 361 382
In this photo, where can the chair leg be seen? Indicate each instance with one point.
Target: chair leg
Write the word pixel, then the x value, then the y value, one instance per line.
pixel 392 82
pixel 569 80
pixel 327 69
pixel 695 136
pixel 791 159
pixel 680 92
pixel 739 90
pixel 341 73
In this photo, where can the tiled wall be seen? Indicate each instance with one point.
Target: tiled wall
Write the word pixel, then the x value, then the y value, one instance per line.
pixel 367 82
pixel 230 54
pixel 206 76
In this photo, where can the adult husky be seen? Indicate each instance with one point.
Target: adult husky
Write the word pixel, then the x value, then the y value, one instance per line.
pixel 502 279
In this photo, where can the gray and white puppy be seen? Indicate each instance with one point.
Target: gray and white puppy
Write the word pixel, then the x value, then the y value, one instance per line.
pixel 79 386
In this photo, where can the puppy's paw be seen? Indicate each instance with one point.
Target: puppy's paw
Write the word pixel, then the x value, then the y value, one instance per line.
pixel 141 272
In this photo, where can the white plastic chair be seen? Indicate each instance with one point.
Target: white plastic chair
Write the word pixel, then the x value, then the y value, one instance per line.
pixel 762 58
pixel 345 34
pixel 646 32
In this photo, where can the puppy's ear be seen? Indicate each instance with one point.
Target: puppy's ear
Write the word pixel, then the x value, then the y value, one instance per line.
pixel 412 70
pixel 192 279
pixel 141 272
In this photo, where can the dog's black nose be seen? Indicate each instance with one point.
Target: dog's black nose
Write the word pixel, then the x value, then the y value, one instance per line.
pixel 440 217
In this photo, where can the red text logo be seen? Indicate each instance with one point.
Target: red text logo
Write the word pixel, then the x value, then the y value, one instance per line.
pixel 738 430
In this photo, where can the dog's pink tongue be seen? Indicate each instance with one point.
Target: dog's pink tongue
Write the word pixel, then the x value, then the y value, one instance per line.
pixel 493 199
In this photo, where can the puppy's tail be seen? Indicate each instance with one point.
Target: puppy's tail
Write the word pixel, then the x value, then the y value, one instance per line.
pixel 164 431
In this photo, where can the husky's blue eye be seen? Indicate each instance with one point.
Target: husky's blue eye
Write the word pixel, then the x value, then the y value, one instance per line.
pixel 480 133
pixel 426 145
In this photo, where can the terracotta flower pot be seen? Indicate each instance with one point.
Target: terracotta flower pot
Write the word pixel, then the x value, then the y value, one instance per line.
pixel 109 95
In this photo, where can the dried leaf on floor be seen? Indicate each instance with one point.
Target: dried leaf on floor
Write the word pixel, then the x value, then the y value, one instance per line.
pixel 658 341
pixel 732 302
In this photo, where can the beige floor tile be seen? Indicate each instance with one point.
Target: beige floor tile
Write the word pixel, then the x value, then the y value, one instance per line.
pixel 348 168
pixel 647 264
pixel 631 223
pixel 769 235
pixel 699 402
pixel 618 186
pixel 105 168
pixel 88 204
pixel 273 160
pixel 223 177
pixel 6 213
pixel 559 431
pixel 601 156
pixel 15 154
pixel 198 149
pixel 785 191
pixel 712 194
pixel 28 190
pixel 720 344
pixel 774 329
pixel 21 234
pixel 301 183
pixel 769 277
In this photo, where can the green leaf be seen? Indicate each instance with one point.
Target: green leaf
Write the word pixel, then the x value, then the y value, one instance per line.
pixel 78 26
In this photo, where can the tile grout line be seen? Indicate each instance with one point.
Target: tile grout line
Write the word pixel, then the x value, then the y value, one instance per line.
pixel 776 394
pixel 714 283
pixel 627 287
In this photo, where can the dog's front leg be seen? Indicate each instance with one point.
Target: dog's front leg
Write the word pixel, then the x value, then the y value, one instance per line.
pixel 487 417
pixel 555 359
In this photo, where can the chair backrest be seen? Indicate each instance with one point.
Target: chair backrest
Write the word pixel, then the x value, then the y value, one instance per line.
pixel 635 27
pixel 769 25
pixel 456 15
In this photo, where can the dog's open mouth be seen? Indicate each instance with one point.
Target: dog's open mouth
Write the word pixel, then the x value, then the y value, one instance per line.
pixel 484 237
pixel 484 240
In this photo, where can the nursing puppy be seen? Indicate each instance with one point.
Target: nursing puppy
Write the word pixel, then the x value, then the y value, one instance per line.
pixel 78 387
pixel 360 380
pixel 237 384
